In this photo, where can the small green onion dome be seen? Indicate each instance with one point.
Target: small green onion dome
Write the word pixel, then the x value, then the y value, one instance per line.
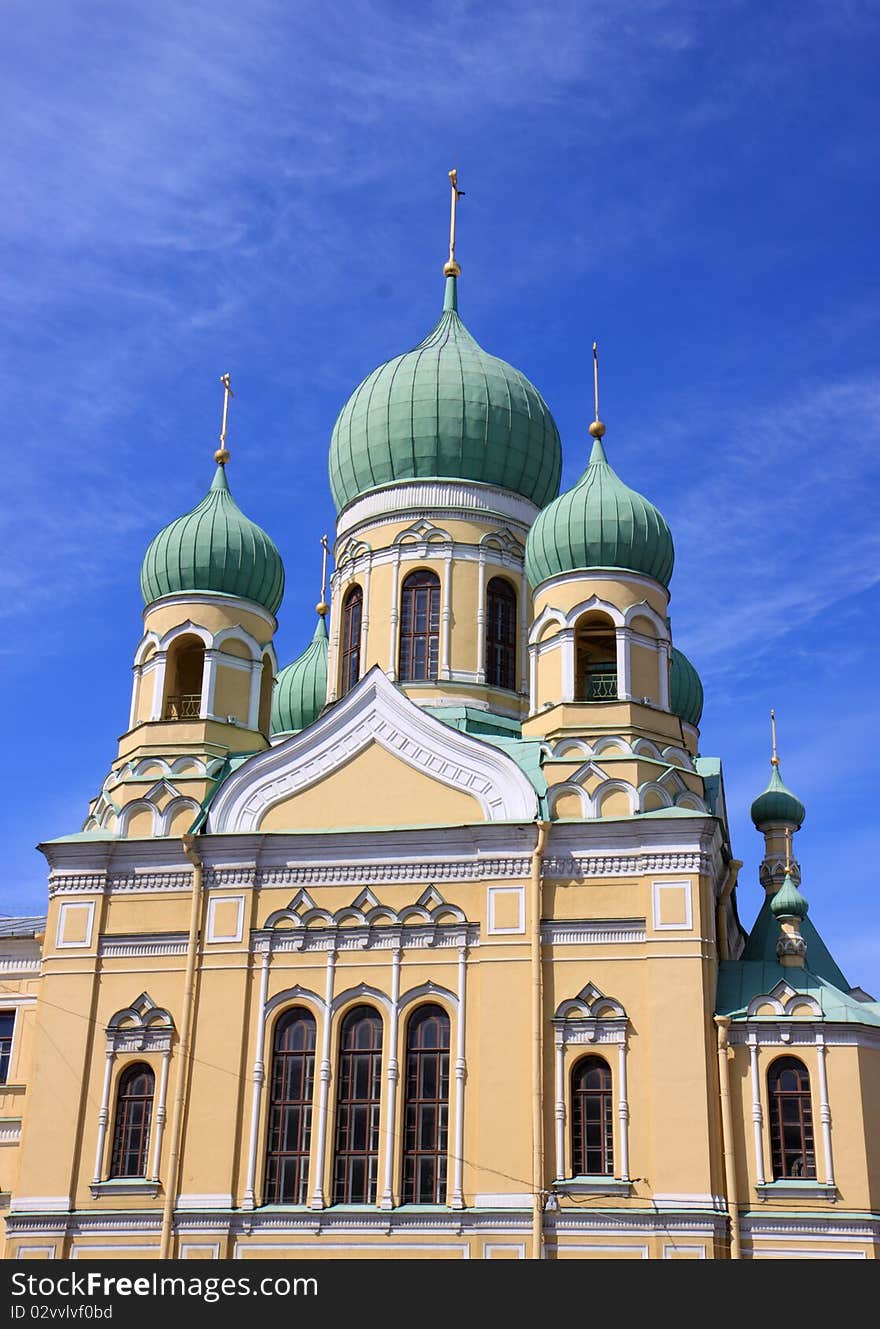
pixel 301 689
pixel 788 901
pixel 777 804
pixel 214 548
pixel 600 523
pixel 685 689
pixel 446 409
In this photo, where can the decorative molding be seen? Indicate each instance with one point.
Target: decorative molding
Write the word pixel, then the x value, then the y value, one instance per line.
pixel 519 927
pixel 412 937
pixel 796 1190
pixel 785 1000
pixel 10 1130
pixel 625 865
pixel 592 1186
pixel 375 711
pixel 591 932
pixel 796 1031
pixel 134 945
pixel 193 1201
pixel 125 1186
pixel 410 499
pixel 235 602
pixel 686 893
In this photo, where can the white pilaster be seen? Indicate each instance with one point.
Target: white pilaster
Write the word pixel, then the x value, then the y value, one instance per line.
pixel 365 617
pixel 560 1107
pixel 481 618
pixel 394 616
pixel 567 646
pixel 160 1114
pixel 664 651
pixel 523 611
pixel 623 1110
pixel 254 697
pixel 161 658
pixel 337 595
pixel 137 672
pixel 103 1117
pixel 446 618
pixel 392 1075
pixel 209 683
pixel 533 678
pixel 457 1199
pixel 317 1179
pixel 258 1078
pixel 825 1109
pixel 757 1111
pixel 624 641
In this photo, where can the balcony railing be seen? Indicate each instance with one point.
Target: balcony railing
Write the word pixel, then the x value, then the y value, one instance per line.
pixel 602 687
pixel 185 706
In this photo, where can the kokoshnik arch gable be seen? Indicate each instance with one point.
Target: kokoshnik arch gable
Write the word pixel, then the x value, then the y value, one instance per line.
pixel 427 946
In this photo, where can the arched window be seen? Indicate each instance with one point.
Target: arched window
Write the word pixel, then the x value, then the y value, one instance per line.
pixel 131 1129
pixel 290 1109
pixel 592 1124
pixel 358 1097
pixel 419 626
pixel 792 1145
pixel 426 1113
pixel 352 613
pixel 595 647
pixel 500 634
pixel 183 678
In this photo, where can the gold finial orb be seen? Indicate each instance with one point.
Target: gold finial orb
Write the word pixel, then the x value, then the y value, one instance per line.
pixel 322 608
pixel 221 456
pixel 451 269
pixel 597 429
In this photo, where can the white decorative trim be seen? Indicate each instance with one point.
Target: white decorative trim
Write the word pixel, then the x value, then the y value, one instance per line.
pixel 493 892
pixel 35 1253
pixel 503 1200
pixel 234 602
pixel 670 1251
pixel 598 1250
pixel 145 1186
pixel 212 1246
pixel 802 1033
pixel 821 1190
pixel 456 1199
pixel 374 711
pixel 316 1177
pixel 491 1246
pixel 659 886
pixel 118 946
pixel 785 1000
pixel 406 498
pixel 63 914
pixel 10 1130
pixel 259 1077
pixel 392 1075
pixel 592 932
pixel 193 1201
pixel 211 935
pixel 40 1204
pixel 591 1186
pixel 15 965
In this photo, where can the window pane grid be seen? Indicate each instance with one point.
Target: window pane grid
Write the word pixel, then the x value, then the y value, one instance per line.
pixel 592 1121
pixel 418 655
pixel 359 1091
pixel 792 1142
pixel 351 639
pixel 426 1111
pixel 290 1111
pixel 131 1131
pixel 501 634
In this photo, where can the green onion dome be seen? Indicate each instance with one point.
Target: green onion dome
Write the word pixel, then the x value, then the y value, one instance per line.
pixel 301 690
pixel 685 689
pixel 214 548
pixel 600 523
pixel 446 409
pixel 777 804
pixel 788 901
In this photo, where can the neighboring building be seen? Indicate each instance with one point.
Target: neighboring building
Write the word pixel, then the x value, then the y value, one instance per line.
pixel 431 949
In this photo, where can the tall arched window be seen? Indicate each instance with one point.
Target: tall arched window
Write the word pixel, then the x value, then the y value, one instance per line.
pixel 290 1109
pixel 419 626
pixel 352 613
pixel 184 668
pixel 131 1128
pixel 359 1088
pixel 792 1145
pixel 500 634
pixel 592 1123
pixel 595 646
pixel 426 1112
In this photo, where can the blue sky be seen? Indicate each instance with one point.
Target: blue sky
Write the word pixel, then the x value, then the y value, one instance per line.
pixel 191 188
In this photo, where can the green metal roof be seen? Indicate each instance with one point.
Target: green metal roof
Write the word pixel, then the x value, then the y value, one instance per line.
pixel 446 409
pixel 214 548
pixel 685 689
pixel 761 947
pixel 600 523
pixel 301 691
pixel 777 803
pixel 739 982
pixel 788 901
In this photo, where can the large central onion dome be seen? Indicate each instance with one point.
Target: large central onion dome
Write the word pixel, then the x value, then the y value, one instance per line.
pixel 214 548
pixel 600 523
pixel 446 409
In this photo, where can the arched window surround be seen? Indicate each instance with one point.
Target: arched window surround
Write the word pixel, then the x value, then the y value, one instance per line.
pixel 419 622
pixel 592 1117
pixel 133 1122
pixel 791 1120
pixel 357 1121
pixel 425 1106
pixel 350 643
pixel 293 1064
pixel 502 634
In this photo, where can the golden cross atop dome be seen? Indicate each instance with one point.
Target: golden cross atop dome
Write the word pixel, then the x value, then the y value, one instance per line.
pixel 322 606
pixel 774 760
pixel 451 268
pixel 597 429
pixel 221 456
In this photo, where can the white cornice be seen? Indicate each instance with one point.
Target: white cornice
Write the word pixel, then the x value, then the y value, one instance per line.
pixel 411 499
pixel 375 711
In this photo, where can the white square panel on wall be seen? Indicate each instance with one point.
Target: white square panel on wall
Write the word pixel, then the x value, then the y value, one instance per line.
pixel 507 910
pixel 673 906
pixel 75 921
pixel 225 918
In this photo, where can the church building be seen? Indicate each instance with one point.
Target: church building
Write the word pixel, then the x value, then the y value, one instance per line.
pixel 427 945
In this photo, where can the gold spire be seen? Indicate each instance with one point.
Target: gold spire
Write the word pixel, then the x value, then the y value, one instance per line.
pixel 322 606
pixel 597 429
pixel 221 456
pixel 451 268
pixel 774 760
